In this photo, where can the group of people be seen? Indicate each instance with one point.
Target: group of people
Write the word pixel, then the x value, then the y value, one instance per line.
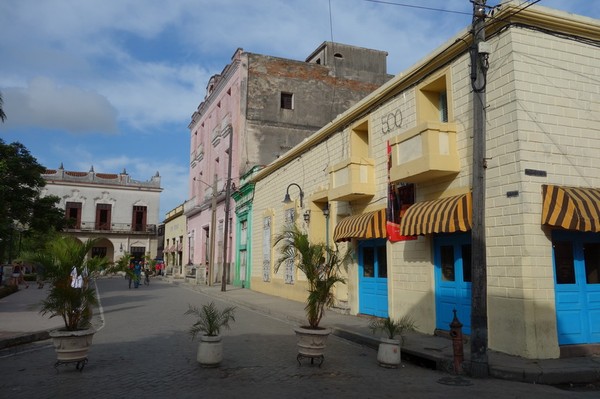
pixel 136 268
pixel 18 272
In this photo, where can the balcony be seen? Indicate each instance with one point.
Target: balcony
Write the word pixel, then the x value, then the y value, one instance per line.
pixel 352 179
pixel 425 152
pixel 117 228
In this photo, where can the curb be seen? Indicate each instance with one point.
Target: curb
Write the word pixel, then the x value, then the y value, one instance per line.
pixel 25 338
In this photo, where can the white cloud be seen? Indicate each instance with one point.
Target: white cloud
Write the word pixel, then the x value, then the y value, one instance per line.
pixel 86 66
pixel 44 104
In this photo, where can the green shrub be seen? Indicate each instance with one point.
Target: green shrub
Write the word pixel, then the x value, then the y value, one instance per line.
pixel 6 290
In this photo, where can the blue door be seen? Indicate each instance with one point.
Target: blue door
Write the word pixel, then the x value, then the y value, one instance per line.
pixel 372 278
pixel 452 261
pixel 576 258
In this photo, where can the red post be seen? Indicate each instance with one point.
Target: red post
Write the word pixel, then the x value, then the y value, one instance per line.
pixel 457 343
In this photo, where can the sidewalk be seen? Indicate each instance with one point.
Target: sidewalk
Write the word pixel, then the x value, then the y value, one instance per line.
pixel 20 322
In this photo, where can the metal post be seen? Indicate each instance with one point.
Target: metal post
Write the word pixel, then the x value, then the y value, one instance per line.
pixel 479 331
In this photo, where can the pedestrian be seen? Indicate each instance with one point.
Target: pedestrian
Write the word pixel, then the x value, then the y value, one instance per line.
pixel 137 274
pixel 40 276
pixel 18 277
pixel 129 274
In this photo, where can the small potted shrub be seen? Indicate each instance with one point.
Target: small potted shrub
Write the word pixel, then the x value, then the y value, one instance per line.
pixel 70 269
pixel 389 352
pixel 209 322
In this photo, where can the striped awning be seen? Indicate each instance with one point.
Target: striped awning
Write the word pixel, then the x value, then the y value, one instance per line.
pixel 572 208
pixel 446 215
pixel 365 226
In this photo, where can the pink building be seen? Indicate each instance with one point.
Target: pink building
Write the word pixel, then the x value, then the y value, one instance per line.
pixel 260 107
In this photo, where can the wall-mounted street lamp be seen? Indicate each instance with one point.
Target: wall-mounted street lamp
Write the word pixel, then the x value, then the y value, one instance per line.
pixel 121 248
pixel 287 198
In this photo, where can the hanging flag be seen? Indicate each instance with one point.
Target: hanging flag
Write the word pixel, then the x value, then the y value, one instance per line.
pixel 396 205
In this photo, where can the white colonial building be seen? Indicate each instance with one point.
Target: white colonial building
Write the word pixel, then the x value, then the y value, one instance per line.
pixel 121 211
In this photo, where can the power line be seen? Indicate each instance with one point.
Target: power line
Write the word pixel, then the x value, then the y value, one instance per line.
pixel 419 7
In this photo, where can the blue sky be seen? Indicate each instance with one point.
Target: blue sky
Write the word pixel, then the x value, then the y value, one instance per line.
pixel 113 83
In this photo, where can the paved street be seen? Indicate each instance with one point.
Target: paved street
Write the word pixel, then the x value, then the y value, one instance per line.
pixel 143 351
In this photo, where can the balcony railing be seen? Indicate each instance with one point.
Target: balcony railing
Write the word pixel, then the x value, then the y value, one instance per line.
pixel 425 152
pixel 352 179
pixel 114 228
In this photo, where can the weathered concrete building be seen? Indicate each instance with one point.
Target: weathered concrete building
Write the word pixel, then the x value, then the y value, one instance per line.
pixel 393 177
pixel 256 109
pixel 123 212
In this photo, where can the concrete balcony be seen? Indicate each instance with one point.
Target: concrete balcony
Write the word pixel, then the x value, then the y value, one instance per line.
pixel 352 179
pixel 425 152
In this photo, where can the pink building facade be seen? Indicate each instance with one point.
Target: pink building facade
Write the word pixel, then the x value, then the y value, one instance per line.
pixel 254 111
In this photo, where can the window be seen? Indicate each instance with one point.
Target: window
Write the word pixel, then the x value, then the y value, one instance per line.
pixel 206 244
pixel 434 100
pixel 103 213
pixel 591 252
pixel 564 262
pixel 266 249
pixel 289 221
pixel 139 218
pixel 243 232
pixel 138 253
pixel 287 101
pixel 73 214
pixel 98 252
pixel 447 262
pixel 443 106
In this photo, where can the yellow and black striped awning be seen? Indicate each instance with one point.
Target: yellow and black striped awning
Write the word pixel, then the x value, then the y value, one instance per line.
pixel 572 208
pixel 446 215
pixel 366 226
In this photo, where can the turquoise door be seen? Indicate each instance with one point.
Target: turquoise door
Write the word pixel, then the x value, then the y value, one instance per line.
pixel 372 278
pixel 452 260
pixel 576 258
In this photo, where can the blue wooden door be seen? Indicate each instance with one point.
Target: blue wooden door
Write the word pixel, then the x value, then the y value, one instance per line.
pixel 452 260
pixel 372 278
pixel 576 259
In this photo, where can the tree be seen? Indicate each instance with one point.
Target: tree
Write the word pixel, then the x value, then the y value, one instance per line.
pixel 22 204
pixel 2 114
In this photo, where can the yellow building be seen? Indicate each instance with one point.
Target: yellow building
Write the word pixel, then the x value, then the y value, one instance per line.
pixel 542 197
pixel 175 249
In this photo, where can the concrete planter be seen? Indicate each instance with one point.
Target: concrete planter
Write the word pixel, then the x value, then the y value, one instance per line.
pixel 311 343
pixel 72 346
pixel 210 351
pixel 389 354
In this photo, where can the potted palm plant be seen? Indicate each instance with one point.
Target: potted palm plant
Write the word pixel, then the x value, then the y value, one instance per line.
pixel 71 270
pixel 321 265
pixel 209 321
pixel 389 352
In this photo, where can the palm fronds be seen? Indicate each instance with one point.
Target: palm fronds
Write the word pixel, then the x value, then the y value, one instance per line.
pixel 210 319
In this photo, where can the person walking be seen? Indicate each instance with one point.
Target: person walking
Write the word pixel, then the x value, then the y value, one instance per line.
pixel 40 275
pixel 129 274
pixel 137 274
pixel 18 277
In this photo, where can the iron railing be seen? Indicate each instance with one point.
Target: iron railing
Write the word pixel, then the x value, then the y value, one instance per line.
pixel 114 228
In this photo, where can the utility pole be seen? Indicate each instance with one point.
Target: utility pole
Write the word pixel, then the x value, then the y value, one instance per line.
pixel 227 205
pixel 479 66
pixel 213 223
